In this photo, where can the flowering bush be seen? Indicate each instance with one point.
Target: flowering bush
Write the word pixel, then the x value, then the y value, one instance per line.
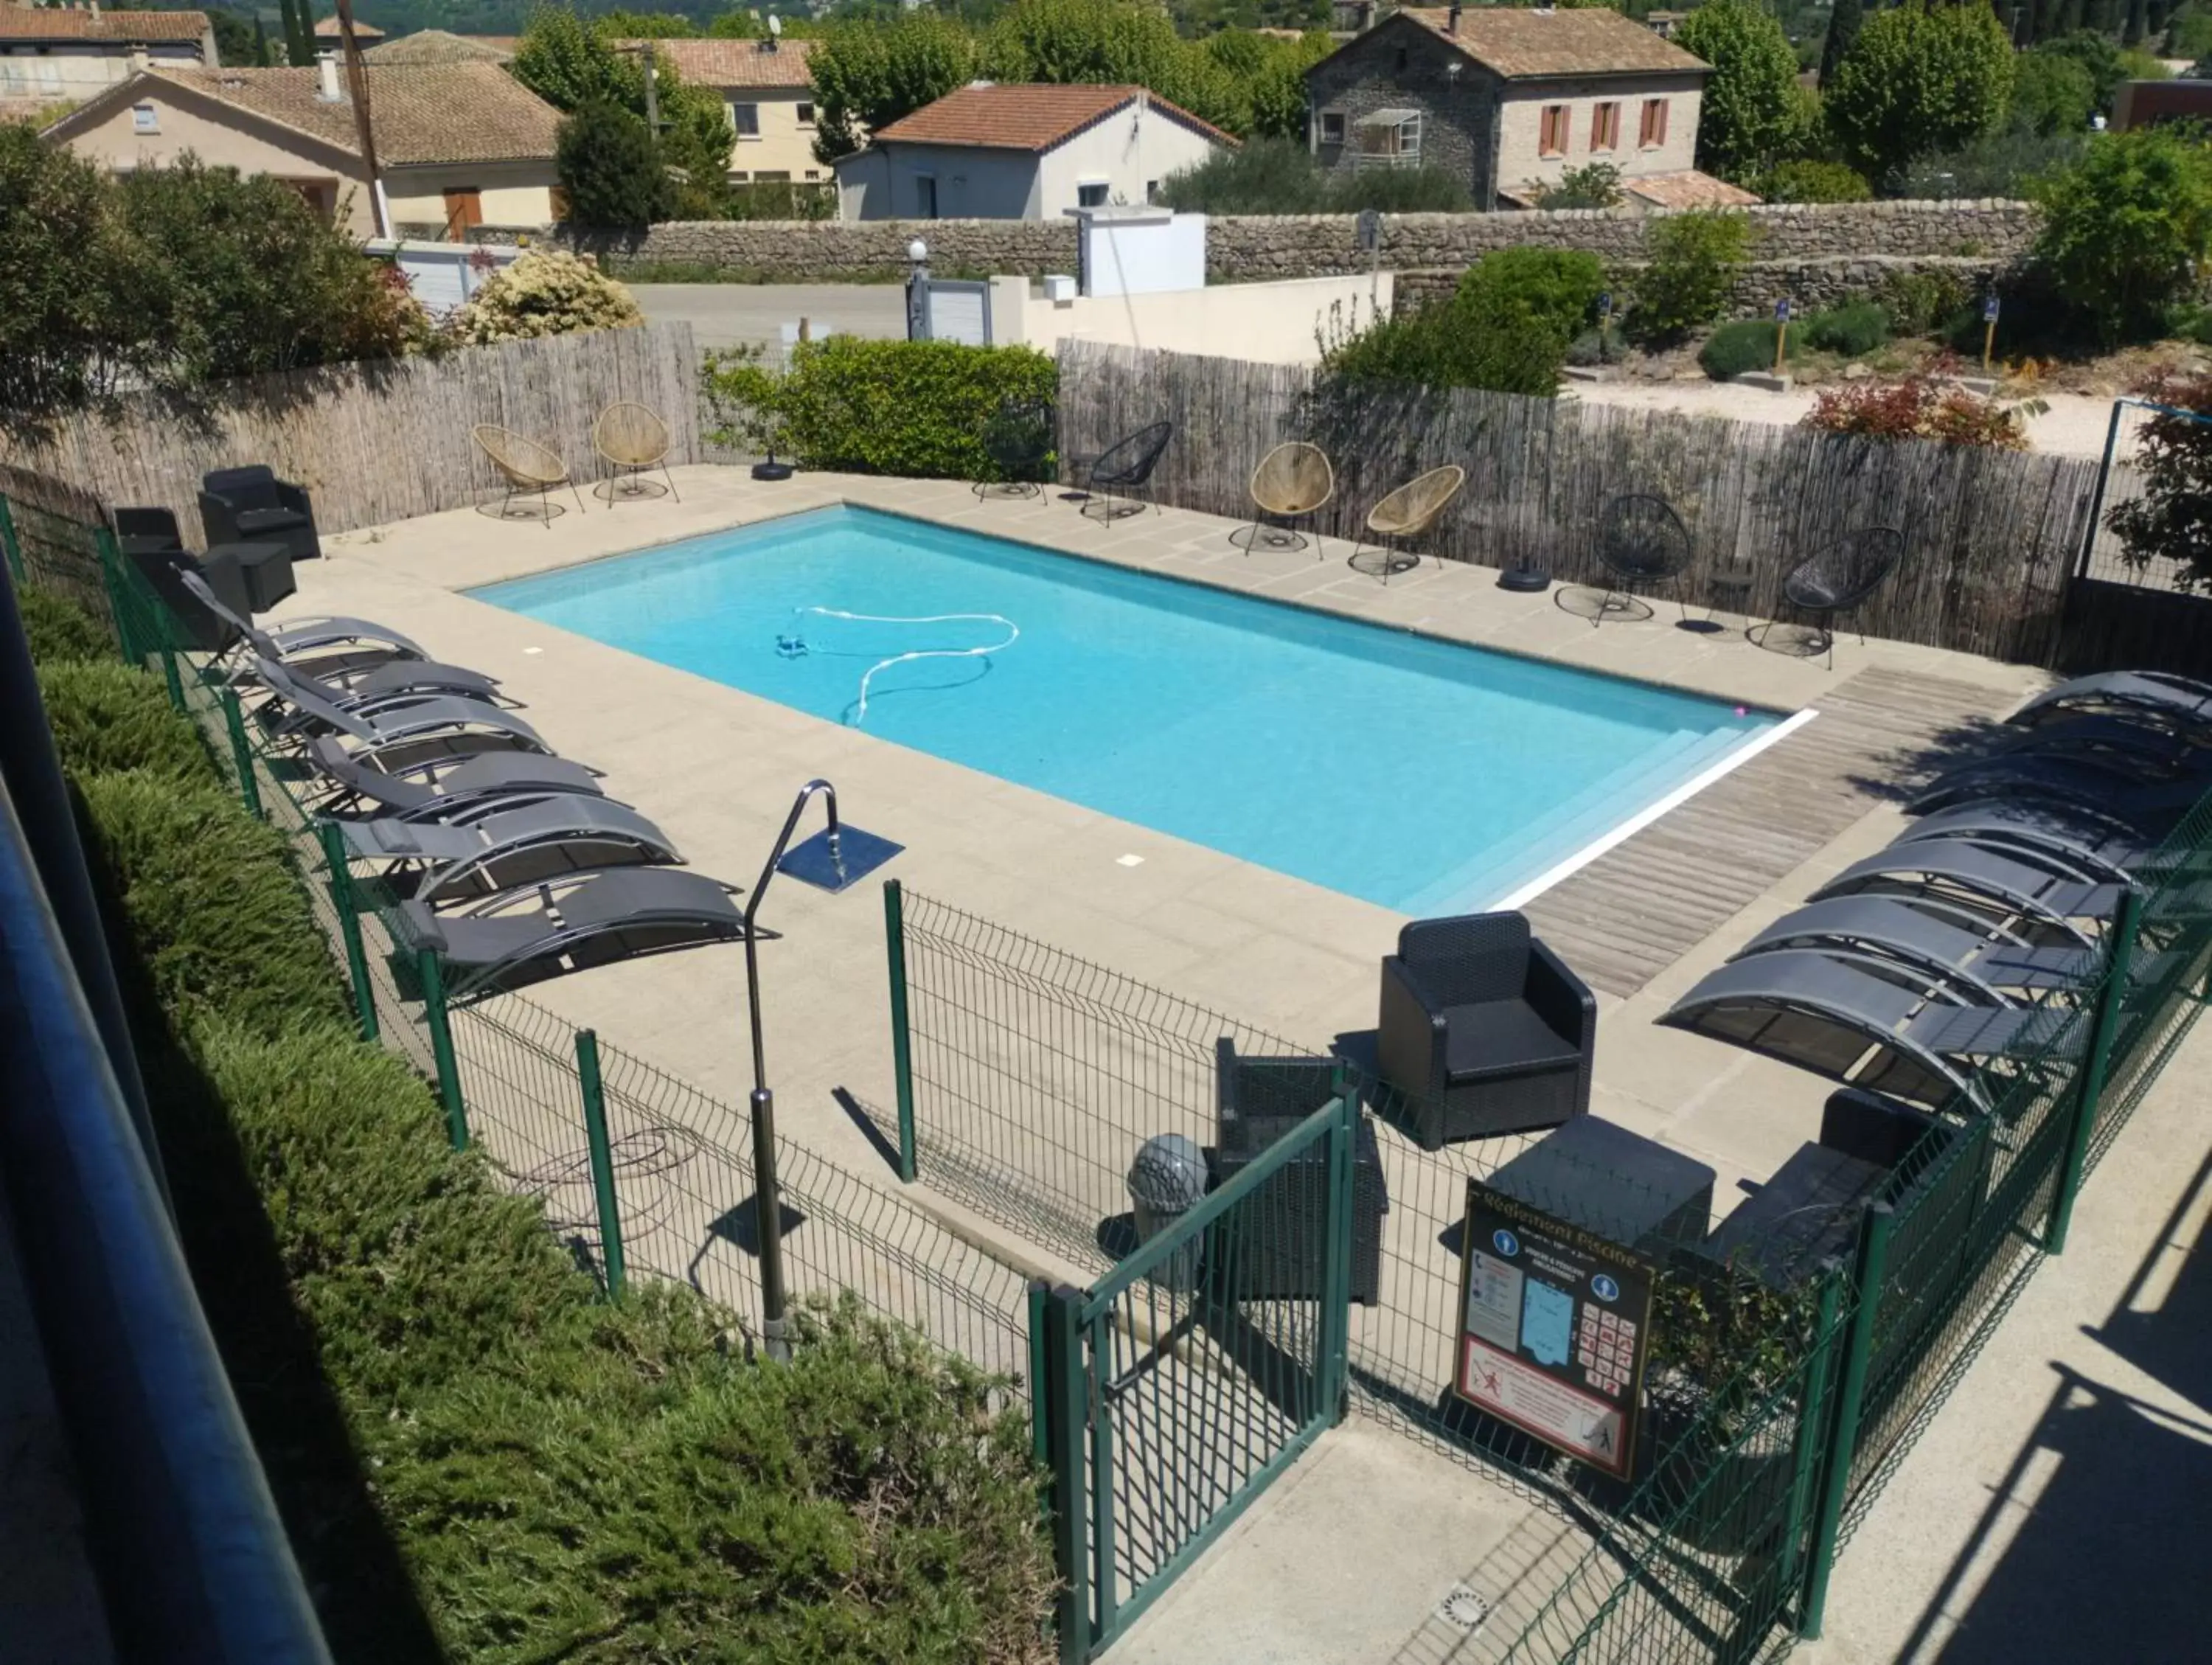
pixel 1920 407
pixel 2173 452
pixel 544 294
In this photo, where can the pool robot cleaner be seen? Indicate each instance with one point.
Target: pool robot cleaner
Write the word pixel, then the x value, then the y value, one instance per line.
pixel 793 645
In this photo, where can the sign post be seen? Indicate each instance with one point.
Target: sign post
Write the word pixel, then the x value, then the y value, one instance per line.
pixel 1555 1324
pixel 1781 331
pixel 1989 329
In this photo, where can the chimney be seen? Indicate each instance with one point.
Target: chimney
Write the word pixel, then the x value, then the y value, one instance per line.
pixel 326 78
pixel 1451 19
pixel 95 10
pixel 140 62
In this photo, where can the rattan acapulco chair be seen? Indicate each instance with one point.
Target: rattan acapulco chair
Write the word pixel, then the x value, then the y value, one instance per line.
pixel 1835 580
pixel 633 437
pixel 1642 542
pixel 1405 515
pixel 1293 482
pixel 528 468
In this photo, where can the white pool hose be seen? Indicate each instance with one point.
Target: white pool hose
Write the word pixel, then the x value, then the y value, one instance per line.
pixel 793 645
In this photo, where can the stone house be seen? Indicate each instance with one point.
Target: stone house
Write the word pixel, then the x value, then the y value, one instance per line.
pixel 1509 100
pixel 457 145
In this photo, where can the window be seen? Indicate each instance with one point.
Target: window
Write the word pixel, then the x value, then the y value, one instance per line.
pixel 807 115
pixel 1090 196
pixel 1153 190
pixel 1332 127
pixel 772 176
pixel 144 119
pixel 1552 140
pixel 739 176
pixel 1605 126
pixel 813 172
pixel 464 208
pixel 925 190
pixel 1653 133
pixel 746 118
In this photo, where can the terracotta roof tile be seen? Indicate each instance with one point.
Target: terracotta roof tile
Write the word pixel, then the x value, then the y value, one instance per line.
pixel 1687 189
pixel 326 28
pixel 53 23
pixel 437 46
pixel 424 112
pixel 1027 118
pixel 1589 40
pixel 736 63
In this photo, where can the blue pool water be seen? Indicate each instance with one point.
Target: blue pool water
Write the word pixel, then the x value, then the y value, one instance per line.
pixel 1424 775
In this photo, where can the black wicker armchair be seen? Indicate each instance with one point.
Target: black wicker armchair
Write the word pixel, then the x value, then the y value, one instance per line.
pixel 1260 1101
pixel 1118 476
pixel 1643 544
pixel 1018 440
pixel 253 506
pixel 1484 1030
pixel 1837 579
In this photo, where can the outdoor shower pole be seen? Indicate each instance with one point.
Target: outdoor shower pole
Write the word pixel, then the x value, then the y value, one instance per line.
pixel 768 1198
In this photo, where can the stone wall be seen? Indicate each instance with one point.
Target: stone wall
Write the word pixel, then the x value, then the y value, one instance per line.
pixel 1256 249
pixel 1811 285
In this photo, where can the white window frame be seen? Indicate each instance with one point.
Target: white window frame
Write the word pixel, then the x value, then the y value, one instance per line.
pixel 145 118
pixel 1326 117
pixel 739 126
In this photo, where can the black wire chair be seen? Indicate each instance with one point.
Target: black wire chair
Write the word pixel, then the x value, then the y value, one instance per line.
pixel 1123 472
pixel 1017 439
pixel 1837 580
pixel 1642 544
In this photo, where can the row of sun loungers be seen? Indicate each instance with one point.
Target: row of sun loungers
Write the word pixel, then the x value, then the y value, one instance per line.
pixel 1964 944
pixel 511 863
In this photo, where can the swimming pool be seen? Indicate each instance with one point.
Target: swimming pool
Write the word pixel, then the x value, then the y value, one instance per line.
pixel 1425 776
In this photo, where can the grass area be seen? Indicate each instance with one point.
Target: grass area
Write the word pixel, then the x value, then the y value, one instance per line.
pixel 477 1457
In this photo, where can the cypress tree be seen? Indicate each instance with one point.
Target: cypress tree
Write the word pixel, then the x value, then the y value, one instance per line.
pixel 260 45
pixel 1843 21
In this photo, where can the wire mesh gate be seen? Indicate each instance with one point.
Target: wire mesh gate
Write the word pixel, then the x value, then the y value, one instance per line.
pixel 1173 1391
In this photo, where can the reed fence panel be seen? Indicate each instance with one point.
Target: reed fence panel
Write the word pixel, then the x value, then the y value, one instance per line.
pixel 1991 535
pixel 376 442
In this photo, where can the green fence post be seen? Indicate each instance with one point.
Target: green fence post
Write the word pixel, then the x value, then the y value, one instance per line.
pixel 1065 1387
pixel 241 753
pixel 9 542
pixel 442 1046
pixel 1850 1396
pixel 2104 1034
pixel 1333 1336
pixel 603 1161
pixel 342 898
pixel 118 596
pixel 902 1036
pixel 1812 1420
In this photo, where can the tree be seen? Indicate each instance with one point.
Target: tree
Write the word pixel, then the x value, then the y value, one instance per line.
pixel 1923 76
pixel 869 74
pixel 611 169
pixel 2051 92
pixel 1695 260
pixel 2173 517
pixel 295 52
pixel 2125 228
pixel 1068 41
pixel 1750 117
pixel 234 37
pixel 1844 24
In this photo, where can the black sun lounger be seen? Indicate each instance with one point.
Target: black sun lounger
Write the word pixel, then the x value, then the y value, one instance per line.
pixel 2151 697
pixel 523 844
pixel 2041 900
pixel 2114 743
pixel 574 924
pixel 2076 778
pixel 2093 846
pixel 445 789
pixel 397 733
pixel 1838 1018
pixel 397 681
pixel 358 638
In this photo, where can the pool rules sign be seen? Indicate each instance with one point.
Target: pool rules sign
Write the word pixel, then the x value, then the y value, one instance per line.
pixel 1554 1322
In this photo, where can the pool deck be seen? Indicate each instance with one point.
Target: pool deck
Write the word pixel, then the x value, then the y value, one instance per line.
pixel 717 768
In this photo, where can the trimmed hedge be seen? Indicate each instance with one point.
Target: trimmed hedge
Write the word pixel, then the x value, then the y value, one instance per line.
pixel 60 630
pixel 1852 330
pixel 914 408
pixel 479 1459
pixel 1737 348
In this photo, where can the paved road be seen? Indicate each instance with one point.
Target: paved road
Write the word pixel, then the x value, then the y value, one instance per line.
pixel 723 314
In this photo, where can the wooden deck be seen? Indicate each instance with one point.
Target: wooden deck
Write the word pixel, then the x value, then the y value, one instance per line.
pixel 1632 912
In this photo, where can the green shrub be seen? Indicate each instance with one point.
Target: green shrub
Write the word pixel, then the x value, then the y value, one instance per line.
pixel 914 407
pixel 2051 92
pixel 1280 176
pixel 108 717
pixel 1851 330
pixel 1920 77
pixel 1995 165
pixel 219 922
pixel 1917 302
pixel 1447 344
pixel 58 628
pixel 1596 185
pixel 1595 346
pixel 1553 290
pixel 1737 348
pixel 1806 180
pixel 612 168
pixel 2125 228
pixel 547 292
pixel 1694 260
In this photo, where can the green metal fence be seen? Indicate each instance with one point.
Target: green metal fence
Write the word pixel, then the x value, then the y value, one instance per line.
pixel 1192 1375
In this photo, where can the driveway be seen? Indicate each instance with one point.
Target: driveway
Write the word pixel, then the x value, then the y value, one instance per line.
pixel 724 314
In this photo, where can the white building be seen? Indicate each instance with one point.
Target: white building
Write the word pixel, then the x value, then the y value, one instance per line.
pixel 51 54
pixel 1023 153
